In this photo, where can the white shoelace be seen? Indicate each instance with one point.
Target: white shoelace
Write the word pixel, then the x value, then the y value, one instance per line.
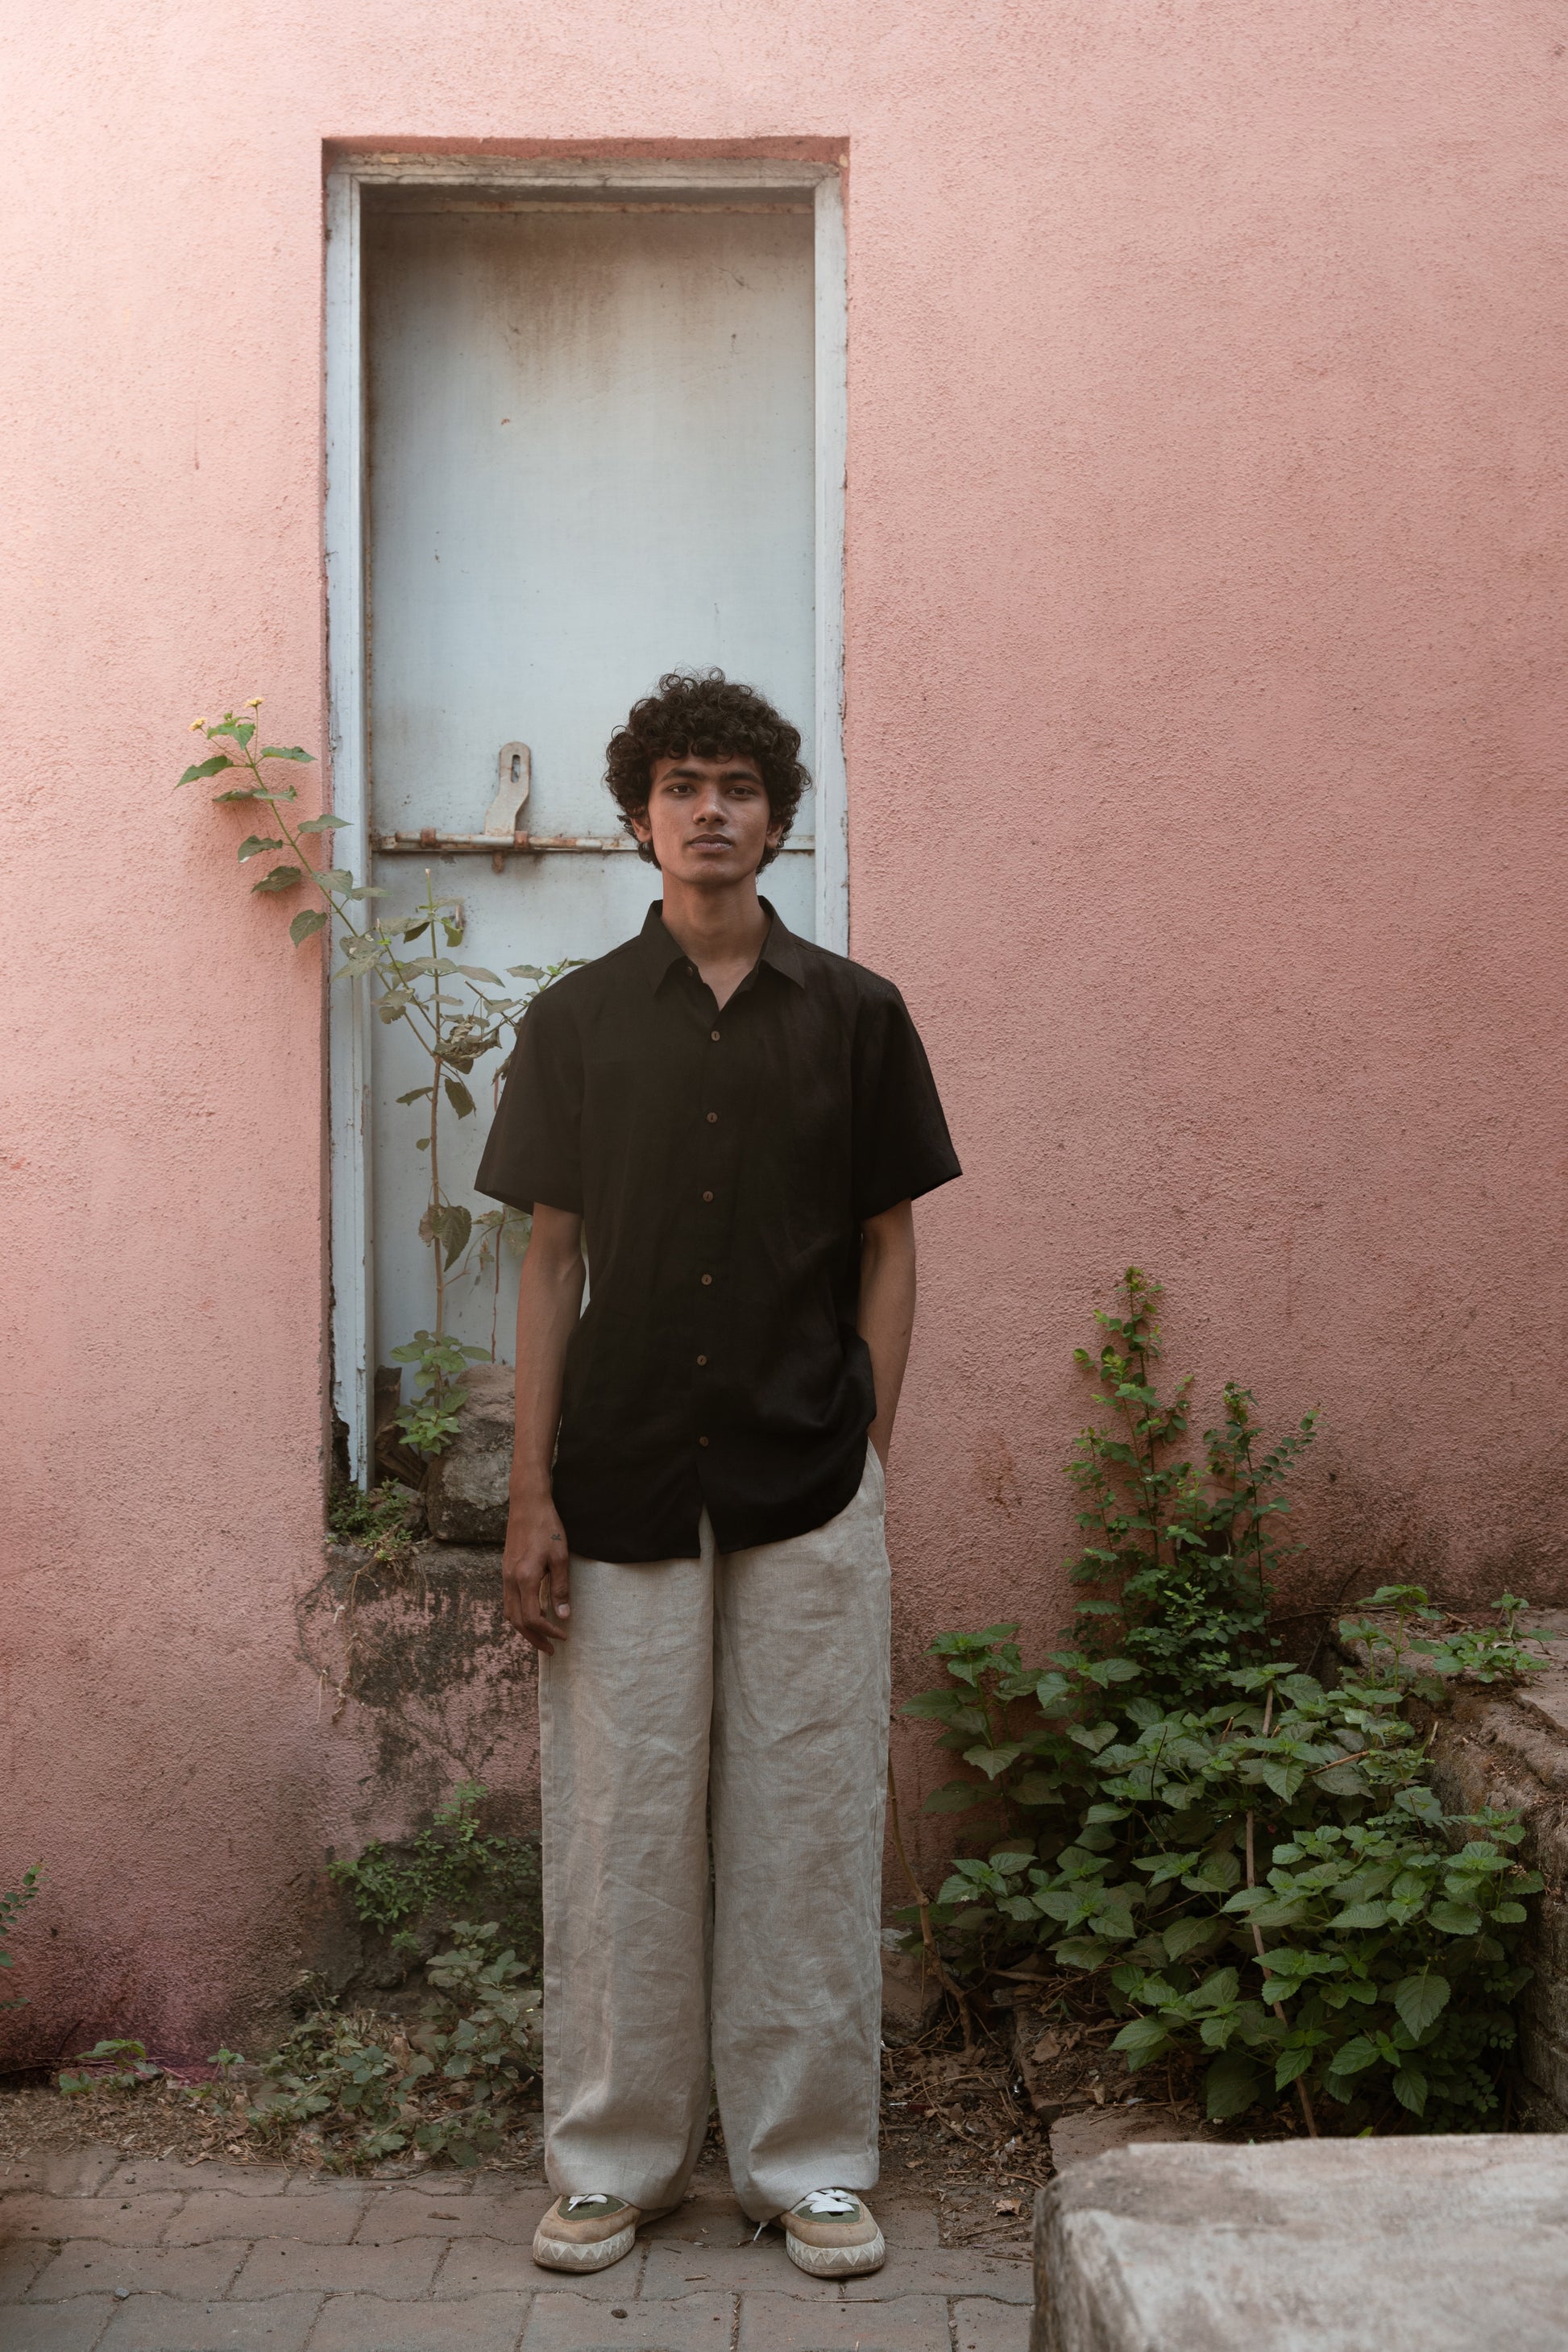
pixel 598 2198
pixel 827 2201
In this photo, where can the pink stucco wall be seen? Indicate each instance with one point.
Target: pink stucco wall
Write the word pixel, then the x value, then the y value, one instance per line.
pixel 1206 559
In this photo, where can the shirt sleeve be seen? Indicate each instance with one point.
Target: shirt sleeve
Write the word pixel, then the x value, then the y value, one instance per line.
pixel 534 1150
pixel 902 1148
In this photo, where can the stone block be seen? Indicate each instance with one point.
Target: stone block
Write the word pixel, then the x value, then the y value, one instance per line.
pixel 124 2221
pixel 732 2267
pixel 364 2323
pixel 1442 2244
pixel 145 2175
pixel 325 2217
pixel 284 2265
pixel 980 2326
pixel 61 2172
pixel 58 2327
pixel 779 2323
pixel 442 2212
pixel 162 2323
pixel 88 2266
pixel 577 2323
pixel 466 1486
pixel 945 2270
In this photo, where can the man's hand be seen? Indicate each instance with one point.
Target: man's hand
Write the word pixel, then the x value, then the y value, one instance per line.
pixel 536 1576
pixel 535 1573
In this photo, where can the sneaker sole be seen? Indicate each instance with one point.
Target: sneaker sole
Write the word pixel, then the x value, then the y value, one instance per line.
pixel 835 2261
pixel 596 2254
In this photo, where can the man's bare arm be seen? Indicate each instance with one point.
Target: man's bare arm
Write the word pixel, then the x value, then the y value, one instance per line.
pixel 887 1315
pixel 535 1573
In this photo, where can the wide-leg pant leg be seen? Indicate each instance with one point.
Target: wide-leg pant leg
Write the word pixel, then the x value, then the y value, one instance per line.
pixel 798 1793
pixel 624 1711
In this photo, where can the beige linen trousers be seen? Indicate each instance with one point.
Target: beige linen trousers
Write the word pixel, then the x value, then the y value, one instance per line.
pixel 740 1702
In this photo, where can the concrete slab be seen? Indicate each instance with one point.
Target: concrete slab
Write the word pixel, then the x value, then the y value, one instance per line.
pixel 1451 2244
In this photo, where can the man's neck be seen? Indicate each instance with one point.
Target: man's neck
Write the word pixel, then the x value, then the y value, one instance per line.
pixel 721 931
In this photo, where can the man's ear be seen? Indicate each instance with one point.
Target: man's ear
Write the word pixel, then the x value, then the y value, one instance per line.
pixel 637 819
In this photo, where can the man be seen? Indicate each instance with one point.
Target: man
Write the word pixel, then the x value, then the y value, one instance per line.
pixel 730 1125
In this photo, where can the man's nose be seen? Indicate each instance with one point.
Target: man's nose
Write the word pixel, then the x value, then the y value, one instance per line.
pixel 711 809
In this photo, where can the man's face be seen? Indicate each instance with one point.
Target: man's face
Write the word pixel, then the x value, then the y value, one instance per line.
pixel 709 820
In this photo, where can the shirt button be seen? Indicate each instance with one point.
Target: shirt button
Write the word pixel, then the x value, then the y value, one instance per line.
pixel 702 1440
pixel 712 1118
pixel 707 1278
pixel 714 1034
pixel 708 1196
pixel 703 1360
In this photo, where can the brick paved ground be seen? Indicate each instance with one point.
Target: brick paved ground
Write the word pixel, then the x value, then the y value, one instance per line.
pixel 103 2255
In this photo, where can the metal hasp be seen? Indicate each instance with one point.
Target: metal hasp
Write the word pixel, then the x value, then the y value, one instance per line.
pixel 501 838
pixel 502 835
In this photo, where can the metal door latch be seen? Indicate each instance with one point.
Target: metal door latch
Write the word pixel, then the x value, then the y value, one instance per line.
pixel 503 836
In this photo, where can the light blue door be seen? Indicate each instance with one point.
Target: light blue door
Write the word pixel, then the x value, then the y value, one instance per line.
pixel 590 433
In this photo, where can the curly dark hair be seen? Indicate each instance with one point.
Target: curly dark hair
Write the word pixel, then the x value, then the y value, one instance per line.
pixel 713 717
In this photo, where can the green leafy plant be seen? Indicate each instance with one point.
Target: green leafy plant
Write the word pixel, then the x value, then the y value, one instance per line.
pixel 451 1868
pixel 110 2065
pixel 382 1522
pixel 452 2086
pixel 1253 1869
pixel 1402 1646
pixel 13 1901
pixel 459 1014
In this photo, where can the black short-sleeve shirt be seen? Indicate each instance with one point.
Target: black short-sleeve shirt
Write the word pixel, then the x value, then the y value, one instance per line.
pixel 723 1163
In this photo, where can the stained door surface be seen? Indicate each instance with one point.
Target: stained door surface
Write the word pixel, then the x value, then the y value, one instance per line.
pixel 590 436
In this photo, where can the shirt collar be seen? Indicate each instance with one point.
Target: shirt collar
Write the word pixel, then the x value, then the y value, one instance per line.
pixel 658 950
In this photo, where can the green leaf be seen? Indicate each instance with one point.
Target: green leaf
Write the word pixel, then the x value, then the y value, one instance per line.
pixel 1187 1935
pixel 1143 2039
pixel 212 767
pixel 1421 2001
pixel 1355 2056
pixel 478 971
pixel 1082 1952
pixel 1456 1919
pixel 417 1093
pixel 237 793
pixel 1291 2063
pixel 309 920
pixel 954 1797
pixel 459 1097
pixel 239 730
pixel 1410 2089
pixel 1359 1915
pixel 319 823
pixel 1038 1789
pixel 337 878
pixel 1231 2086
pixel 254 843
pixel 992 1760
pixel 281 752
pixel 1511 1914
pixel 282 877
pixel 932 1705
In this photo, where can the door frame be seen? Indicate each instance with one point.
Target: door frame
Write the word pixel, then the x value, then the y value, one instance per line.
pixel 349 1115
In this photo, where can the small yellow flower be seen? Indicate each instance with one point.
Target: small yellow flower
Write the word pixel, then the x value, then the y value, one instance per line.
pixel 196 726
pixel 255 703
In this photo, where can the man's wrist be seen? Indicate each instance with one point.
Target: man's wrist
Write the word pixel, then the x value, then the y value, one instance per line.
pixel 530 1489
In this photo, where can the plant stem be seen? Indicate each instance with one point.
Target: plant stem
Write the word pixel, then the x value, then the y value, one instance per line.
pixel 1301 2093
pixel 923 1906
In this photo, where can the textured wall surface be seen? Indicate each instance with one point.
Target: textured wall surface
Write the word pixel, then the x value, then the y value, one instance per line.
pixel 1207 563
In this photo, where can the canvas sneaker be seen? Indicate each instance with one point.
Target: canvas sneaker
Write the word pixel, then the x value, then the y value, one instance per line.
pixel 833 2233
pixel 586 2233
